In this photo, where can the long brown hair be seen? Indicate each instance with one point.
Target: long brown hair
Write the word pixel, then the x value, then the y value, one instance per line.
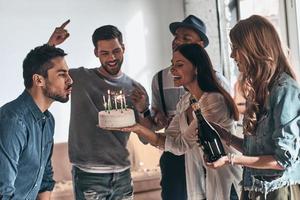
pixel 258 43
pixel 206 77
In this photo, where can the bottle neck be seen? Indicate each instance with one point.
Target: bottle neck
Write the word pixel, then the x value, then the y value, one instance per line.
pixel 196 108
pixel 199 115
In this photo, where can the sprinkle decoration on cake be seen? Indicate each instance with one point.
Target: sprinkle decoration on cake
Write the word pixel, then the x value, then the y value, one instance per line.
pixel 118 116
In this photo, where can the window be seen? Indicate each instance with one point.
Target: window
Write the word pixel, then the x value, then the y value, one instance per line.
pixel 285 16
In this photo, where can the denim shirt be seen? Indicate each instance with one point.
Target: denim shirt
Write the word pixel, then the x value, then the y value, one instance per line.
pixel 26 141
pixel 277 134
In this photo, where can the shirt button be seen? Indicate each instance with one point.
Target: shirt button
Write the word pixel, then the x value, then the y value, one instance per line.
pixel 44 117
pixel 35 185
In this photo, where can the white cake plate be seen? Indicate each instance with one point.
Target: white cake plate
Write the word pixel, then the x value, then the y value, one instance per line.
pixel 110 128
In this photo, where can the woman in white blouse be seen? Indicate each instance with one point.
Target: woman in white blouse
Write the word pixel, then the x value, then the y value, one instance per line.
pixel 192 68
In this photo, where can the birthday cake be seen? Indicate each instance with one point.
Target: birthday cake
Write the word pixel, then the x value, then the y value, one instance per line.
pixel 116 118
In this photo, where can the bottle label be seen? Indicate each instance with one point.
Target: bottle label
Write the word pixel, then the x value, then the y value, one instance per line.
pixel 196 106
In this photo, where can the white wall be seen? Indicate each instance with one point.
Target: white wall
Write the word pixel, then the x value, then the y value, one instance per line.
pixel 26 24
pixel 207 12
pixel 293 21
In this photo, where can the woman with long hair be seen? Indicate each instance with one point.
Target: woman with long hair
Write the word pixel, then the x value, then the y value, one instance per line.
pixel 192 69
pixel 271 122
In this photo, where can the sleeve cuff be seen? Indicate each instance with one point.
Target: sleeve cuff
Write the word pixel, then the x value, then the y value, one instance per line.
pixel 47 187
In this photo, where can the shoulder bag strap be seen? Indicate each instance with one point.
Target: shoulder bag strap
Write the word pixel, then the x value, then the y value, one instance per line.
pixel 161 91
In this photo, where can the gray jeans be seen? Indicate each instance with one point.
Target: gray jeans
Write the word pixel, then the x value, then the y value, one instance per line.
pixel 102 186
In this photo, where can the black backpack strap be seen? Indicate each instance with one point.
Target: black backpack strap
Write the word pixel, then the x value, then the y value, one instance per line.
pixel 161 91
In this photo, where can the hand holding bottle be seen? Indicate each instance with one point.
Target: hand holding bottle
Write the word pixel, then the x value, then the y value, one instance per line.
pixel 209 138
pixel 218 163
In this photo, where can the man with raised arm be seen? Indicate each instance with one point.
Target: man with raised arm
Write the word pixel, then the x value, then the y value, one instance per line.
pixel 101 168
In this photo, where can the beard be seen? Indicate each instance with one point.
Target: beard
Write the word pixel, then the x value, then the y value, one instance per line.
pixel 115 70
pixel 55 96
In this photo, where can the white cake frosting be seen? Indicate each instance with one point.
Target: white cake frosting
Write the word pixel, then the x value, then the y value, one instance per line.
pixel 116 118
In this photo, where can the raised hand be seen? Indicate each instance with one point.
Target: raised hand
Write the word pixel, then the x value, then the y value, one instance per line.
pixel 59 35
pixel 139 98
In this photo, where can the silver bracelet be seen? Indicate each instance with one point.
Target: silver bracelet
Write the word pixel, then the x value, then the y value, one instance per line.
pixel 230 157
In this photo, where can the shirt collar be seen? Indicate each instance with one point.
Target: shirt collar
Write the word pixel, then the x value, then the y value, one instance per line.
pixel 36 112
pixel 107 76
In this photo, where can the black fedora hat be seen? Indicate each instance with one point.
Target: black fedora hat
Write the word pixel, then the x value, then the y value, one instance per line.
pixel 194 23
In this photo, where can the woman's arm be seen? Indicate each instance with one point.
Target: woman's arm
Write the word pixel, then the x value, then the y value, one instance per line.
pixel 174 140
pixel 236 142
pixel 258 162
pixel 144 132
pixel 229 138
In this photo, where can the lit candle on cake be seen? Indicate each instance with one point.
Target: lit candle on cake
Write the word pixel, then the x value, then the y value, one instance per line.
pixel 105 106
pixel 108 101
pixel 124 98
pixel 104 103
pixel 116 103
pixel 121 95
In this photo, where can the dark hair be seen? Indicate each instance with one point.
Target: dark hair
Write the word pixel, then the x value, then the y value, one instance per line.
pixel 38 61
pixel 206 76
pixel 106 32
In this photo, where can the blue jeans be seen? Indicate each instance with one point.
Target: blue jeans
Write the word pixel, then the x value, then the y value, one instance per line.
pixel 102 186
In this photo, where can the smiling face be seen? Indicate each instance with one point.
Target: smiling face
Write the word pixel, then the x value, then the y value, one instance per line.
pixel 183 71
pixel 58 84
pixel 110 53
pixel 238 57
pixel 186 36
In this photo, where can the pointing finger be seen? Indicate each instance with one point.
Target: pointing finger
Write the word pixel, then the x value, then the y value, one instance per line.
pixel 65 24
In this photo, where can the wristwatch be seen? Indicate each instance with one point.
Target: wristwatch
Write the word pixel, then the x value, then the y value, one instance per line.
pixel 145 113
